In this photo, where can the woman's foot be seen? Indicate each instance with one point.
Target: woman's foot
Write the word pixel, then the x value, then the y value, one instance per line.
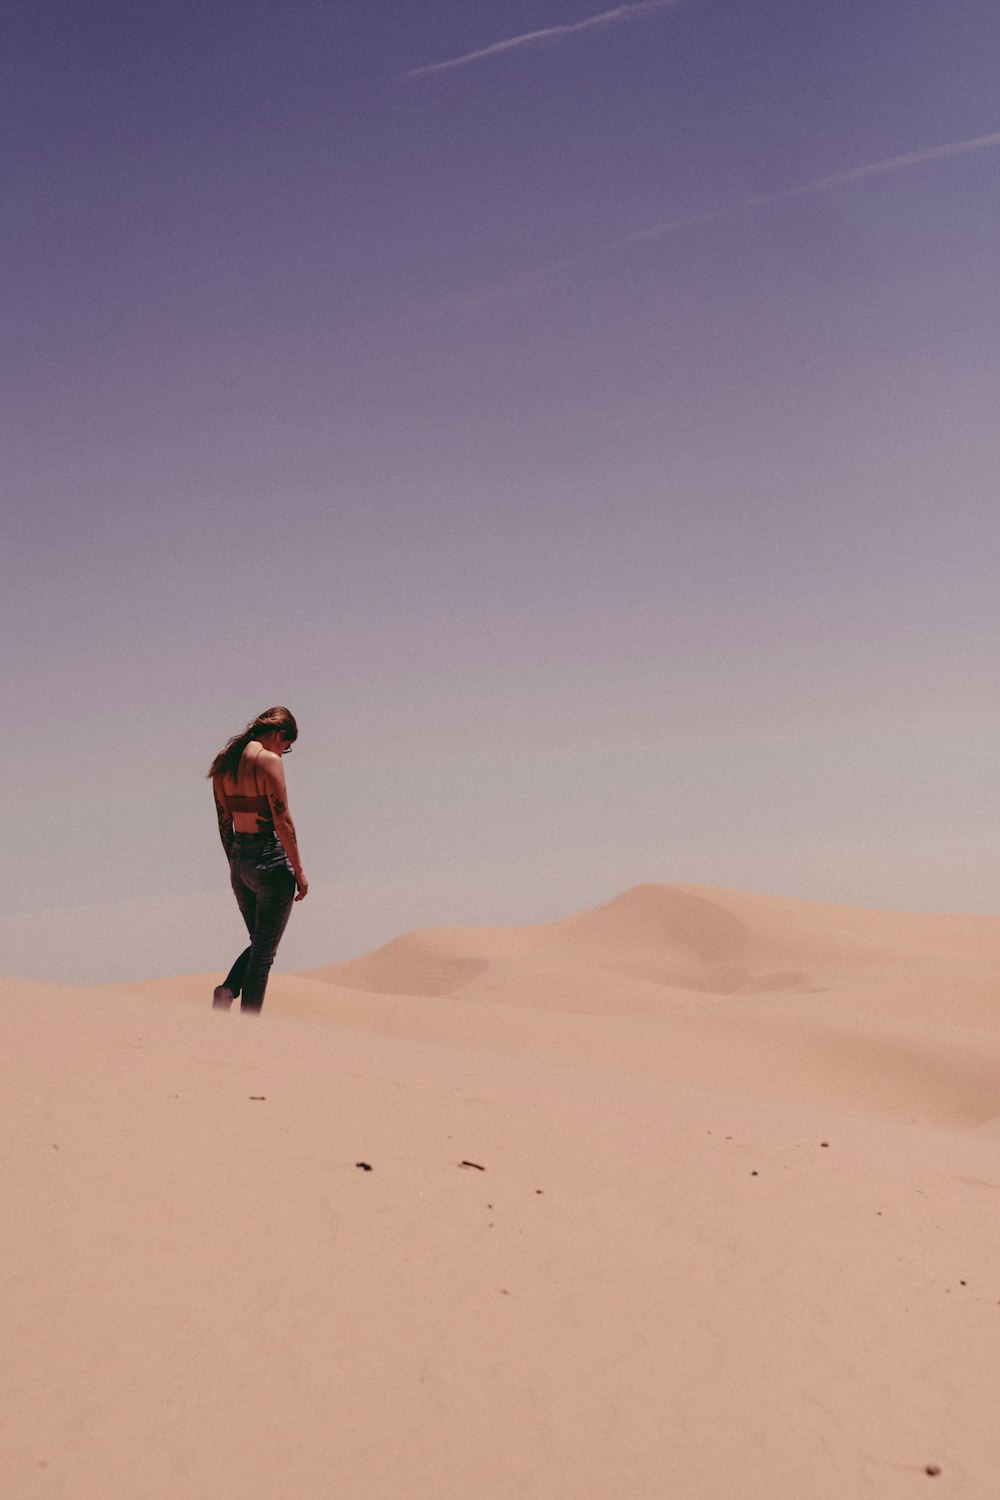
pixel 222 997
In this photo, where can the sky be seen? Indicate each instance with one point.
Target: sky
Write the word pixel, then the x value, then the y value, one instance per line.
pixel 584 419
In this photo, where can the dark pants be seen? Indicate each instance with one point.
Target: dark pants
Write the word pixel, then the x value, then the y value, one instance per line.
pixel 265 898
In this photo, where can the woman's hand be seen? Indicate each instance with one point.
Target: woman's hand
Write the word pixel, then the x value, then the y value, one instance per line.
pixel 303 885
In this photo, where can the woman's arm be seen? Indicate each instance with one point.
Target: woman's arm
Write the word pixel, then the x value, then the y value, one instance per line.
pixel 273 774
pixel 223 814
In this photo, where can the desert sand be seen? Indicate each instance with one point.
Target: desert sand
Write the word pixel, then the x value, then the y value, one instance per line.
pixel 689 1197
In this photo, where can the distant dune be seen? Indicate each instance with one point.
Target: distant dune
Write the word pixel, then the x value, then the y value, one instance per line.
pixel 692 1195
pixel 708 941
pixel 883 1011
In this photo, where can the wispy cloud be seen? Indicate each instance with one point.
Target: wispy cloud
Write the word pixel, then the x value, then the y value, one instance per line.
pixel 526 282
pixel 821 184
pixel 512 289
pixel 685 221
pixel 621 13
pixel 901 163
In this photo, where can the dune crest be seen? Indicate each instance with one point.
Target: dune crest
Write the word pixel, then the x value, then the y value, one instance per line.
pixel 884 1013
pixel 700 939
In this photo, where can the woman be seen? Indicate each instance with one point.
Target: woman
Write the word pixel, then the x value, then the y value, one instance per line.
pixel 258 836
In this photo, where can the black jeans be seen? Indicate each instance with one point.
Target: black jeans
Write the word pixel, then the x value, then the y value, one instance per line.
pixel 264 887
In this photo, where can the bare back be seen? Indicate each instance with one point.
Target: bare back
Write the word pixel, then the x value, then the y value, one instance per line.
pixel 244 796
pixel 254 801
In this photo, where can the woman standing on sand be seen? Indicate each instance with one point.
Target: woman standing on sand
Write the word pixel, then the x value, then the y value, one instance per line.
pixel 258 836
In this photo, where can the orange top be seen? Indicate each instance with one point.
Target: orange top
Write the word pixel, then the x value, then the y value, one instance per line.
pixel 241 803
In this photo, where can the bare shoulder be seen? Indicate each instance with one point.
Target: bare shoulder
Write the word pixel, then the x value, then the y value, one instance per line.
pixel 269 768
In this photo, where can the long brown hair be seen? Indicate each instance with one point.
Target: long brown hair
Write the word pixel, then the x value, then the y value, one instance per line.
pixel 273 720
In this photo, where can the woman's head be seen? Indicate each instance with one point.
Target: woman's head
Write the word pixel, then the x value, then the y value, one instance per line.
pixel 277 720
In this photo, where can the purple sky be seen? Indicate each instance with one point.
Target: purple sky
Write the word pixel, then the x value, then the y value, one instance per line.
pixel 593 438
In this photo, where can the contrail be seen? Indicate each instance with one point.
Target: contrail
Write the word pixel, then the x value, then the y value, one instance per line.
pixel 900 163
pixel 852 174
pixel 630 12
pixel 670 226
pixel 525 282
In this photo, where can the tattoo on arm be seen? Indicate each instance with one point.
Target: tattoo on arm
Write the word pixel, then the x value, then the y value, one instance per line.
pixel 278 807
pixel 225 826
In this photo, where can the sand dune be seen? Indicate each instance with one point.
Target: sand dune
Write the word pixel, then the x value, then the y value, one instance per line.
pixel 734 1235
pixel 686 937
pixel 888 1012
